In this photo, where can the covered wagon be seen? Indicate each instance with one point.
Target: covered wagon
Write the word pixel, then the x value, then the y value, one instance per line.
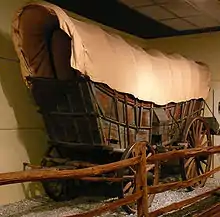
pixel 99 95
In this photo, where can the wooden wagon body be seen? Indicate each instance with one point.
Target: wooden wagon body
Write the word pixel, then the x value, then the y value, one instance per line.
pixel 82 113
pixel 96 118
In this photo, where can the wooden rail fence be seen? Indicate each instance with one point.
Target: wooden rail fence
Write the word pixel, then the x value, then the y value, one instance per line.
pixel 141 191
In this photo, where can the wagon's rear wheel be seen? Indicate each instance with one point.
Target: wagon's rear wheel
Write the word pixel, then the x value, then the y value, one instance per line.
pixel 196 135
pixel 128 174
pixel 58 190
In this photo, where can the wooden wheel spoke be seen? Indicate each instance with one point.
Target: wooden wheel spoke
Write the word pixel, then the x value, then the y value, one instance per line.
pixel 148 155
pixel 131 190
pixel 132 169
pixel 194 171
pixel 203 136
pixel 150 167
pixel 198 135
pixel 191 171
pixel 199 167
pixel 190 160
pixel 191 167
pixel 193 133
pixel 128 177
pixel 204 162
pixel 206 142
pixel 133 154
pixel 191 138
pixel 197 128
pixel 127 187
pixel 200 129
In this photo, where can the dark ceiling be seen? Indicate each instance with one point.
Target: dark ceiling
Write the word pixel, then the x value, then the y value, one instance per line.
pixel 119 16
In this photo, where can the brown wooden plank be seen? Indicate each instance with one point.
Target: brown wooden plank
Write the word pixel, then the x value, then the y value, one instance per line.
pixel 210 212
pixel 60 162
pixel 101 179
pixel 181 204
pixel 183 184
pixel 141 181
pixel 111 206
pixel 45 174
pixel 92 179
pixel 184 153
pixel 216 215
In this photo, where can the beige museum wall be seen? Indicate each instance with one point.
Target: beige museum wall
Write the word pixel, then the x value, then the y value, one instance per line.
pixel 21 135
pixel 21 129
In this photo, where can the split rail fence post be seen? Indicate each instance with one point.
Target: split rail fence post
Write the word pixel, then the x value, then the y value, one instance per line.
pixel 141 180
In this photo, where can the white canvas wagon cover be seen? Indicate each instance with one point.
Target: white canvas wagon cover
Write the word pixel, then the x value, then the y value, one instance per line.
pixel 105 57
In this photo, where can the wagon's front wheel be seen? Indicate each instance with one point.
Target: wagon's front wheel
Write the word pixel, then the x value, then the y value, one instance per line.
pixel 196 135
pixel 58 190
pixel 128 175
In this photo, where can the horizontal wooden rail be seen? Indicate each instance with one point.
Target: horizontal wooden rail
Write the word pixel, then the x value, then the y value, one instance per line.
pixel 180 184
pixel 111 206
pixel 45 174
pixel 40 174
pixel 184 153
pixel 213 211
pixel 181 204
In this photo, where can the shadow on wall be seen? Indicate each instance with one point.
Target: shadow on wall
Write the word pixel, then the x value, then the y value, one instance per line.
pixel 26 119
